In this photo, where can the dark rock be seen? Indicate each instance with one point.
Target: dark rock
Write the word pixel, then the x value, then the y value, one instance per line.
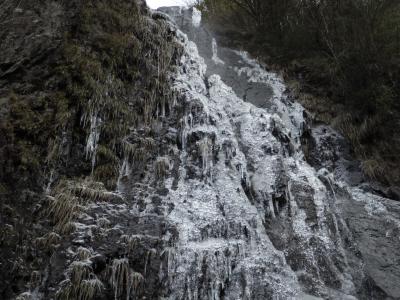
pixel 98 263
pixel 394 193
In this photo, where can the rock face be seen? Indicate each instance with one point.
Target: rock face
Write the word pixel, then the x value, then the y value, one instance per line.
pixel 306 223
pixel 231 193
pixel 77 81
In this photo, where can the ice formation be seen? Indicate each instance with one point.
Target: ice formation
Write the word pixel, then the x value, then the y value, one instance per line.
pixel 247 154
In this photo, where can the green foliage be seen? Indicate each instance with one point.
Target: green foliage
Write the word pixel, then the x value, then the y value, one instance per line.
pixel 113 65
pixel 30 122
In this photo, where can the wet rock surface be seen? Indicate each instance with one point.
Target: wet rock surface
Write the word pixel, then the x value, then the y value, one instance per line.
pixel 370 210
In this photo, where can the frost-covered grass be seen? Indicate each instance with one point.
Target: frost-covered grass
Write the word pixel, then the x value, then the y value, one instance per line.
pixel 69 199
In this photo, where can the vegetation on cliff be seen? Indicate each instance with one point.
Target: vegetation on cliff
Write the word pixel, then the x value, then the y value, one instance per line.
pixel 342 59
pixel 76 78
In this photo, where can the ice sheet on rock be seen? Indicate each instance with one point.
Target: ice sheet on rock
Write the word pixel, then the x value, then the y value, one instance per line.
pixel 216 221
pixel 373 203
pixel 290 112
pixel 242 169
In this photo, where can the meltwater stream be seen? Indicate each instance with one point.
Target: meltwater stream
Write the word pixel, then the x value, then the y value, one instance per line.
pixel 254 220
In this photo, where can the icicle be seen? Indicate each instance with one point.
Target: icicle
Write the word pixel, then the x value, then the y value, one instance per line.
pixel 292 202
pixel 190 120
pixel 174 101
pixel 93 139
pixel 184 125
pixel 229 150
pixel 243 176
pixel 215 57
pixel 170 263
pixel 271 208
pixel 205 147
pixel 163 108
pixel 124 171
pixel 161 167
pixel 51 180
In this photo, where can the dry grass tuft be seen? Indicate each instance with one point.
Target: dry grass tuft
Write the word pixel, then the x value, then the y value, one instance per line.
pixel 82 283
pixel 49 241
pixel 124 280
pixel 69 198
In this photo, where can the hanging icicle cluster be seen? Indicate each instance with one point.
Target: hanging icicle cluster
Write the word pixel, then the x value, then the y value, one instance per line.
pixel 118 79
